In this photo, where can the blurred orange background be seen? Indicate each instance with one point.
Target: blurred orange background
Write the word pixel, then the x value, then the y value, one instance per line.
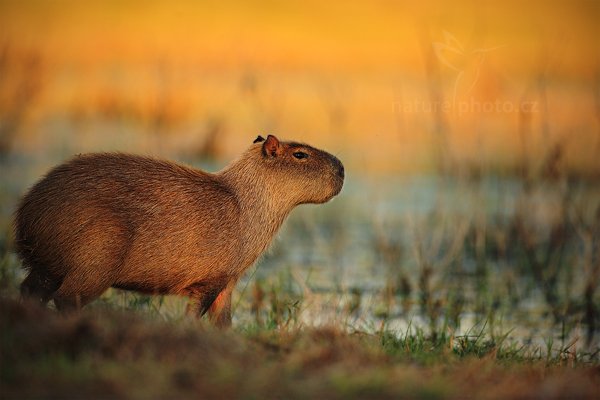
pixel 390 86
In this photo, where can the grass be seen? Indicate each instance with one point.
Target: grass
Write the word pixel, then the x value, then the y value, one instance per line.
pixel 290 341
pixel 101 353
pixel 444 313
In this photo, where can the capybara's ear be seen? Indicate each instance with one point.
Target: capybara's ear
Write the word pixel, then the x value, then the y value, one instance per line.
pixel 271 146
pixel 259 139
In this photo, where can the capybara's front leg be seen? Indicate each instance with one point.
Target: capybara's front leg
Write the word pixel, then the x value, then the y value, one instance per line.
pixel 220 310
pixel 202 296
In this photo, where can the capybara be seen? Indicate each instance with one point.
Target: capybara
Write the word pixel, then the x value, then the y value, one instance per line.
pixel 153 226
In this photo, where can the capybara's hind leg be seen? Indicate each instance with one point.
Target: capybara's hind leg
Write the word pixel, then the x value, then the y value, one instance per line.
pixel 39 287
pixel 93 261
pixel 77 290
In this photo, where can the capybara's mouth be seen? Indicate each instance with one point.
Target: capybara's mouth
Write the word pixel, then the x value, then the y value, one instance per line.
pixel 338 183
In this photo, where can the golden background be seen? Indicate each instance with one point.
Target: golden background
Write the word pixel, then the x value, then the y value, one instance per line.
pixel 361 79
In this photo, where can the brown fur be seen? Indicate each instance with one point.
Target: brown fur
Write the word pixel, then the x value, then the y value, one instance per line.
pixel 136 223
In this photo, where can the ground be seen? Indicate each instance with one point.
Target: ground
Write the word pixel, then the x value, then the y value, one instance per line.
pixel 103 353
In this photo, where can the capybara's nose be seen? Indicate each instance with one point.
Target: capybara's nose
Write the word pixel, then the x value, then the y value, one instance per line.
pixel 339 167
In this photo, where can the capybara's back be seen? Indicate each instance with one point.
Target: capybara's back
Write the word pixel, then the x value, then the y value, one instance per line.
pixel 136 223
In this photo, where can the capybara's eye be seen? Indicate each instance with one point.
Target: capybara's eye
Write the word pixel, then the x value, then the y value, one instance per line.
pixel 300 155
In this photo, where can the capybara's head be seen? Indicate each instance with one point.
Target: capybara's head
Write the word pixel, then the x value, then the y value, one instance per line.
pixel 300 173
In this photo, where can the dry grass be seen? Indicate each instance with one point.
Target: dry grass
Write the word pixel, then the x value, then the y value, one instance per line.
pixel 102 353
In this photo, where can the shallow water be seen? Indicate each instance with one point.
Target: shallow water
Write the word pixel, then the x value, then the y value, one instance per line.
pixel 443 237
